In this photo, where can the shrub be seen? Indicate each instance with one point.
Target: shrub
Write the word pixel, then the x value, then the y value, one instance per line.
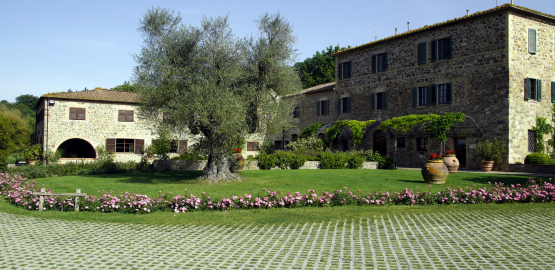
pixel 387 163
pixel 284 160
pixel 306 144
pixel 267 147
pixel 329 160
pixel 265 161
pixel 354 161
pixel 537 158
pixel 491 150
pixel 296 161
pixel 189 156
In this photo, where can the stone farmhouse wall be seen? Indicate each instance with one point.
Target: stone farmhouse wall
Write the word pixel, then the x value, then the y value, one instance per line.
pixel 489 63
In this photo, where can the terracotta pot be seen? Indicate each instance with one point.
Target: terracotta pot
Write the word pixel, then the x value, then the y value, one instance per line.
pixel 240 161
pixel 435 172
pixel 486 166
pixel 31 162
pixel 452 163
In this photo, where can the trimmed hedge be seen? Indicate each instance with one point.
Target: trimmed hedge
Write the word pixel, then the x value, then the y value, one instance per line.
pixel 538 159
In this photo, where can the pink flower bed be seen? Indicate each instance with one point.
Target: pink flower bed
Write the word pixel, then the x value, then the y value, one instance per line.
pixel 17 190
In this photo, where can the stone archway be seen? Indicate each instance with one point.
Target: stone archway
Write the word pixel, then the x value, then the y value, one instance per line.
pixel 76 148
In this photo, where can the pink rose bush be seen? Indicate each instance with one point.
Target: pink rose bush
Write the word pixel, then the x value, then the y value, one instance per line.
pixel 17 190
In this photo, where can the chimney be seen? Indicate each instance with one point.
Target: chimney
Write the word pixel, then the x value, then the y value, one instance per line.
pixel 467 12
pixel 408 26
pixel 395 31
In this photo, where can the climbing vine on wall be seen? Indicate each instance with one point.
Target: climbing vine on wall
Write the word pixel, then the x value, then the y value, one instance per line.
pixel 356 128
pixel 403 124
pixel 541 128
pixel 311 130
pixel 440 124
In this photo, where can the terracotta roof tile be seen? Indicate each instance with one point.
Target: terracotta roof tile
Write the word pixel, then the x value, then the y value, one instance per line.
pixel 318 88
pixel 477 14
pixel 98 95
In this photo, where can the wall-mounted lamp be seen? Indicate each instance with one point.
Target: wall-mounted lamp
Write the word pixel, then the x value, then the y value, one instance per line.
pixel 51 102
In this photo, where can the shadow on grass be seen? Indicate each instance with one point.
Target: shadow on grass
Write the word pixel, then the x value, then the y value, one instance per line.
pixel 165 177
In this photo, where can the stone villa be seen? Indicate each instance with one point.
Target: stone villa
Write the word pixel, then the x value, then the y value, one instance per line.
pixel 496 66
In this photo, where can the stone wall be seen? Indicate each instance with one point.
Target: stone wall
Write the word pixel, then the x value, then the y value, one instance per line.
pixel 531 168
pixel 522 65
pixel 190 165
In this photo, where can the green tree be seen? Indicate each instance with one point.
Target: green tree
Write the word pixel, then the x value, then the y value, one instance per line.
pixel 14 133
pixel 126 86
pixel 318 69
pixel 28 100
pixel 207 81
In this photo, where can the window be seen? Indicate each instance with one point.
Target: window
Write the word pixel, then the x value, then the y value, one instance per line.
pixel 532 41
pixel 344 105
pixel 297 112
pixel 77 113
pixel 422 53
pixel 125 145
pixel 441 49
pixel 344 70
pixel 531 141
pixel 422 97
pixel 173 146
pixel 294 137
pixel 533 89
pixel 379 62
pixel 421 144
pixel 322 107
pixel 125 116
pixel 400 142
pixel 442 93
pixel 253 146
pixel 428 95
pixel 379 101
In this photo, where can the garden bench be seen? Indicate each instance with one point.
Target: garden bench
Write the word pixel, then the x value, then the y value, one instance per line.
pixel 43 193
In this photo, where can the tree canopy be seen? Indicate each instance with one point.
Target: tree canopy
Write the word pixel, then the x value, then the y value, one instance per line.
pixel 207 81
pixel 318 69
pixel 14 133
pixel 126 86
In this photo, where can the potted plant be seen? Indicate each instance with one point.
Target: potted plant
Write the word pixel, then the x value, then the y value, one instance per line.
pixel 435 171
pixel 32 153
pixel 489 152
pixel 451 161
pixel 148 153
pixel 239 161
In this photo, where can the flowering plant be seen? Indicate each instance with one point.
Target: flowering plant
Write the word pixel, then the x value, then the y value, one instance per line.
pixel 236 150
pixel 449 152
pixel 434 156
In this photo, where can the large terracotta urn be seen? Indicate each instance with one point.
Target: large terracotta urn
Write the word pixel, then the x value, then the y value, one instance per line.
pixel 435 172
pixel 487 165
pixel 240 162
pixel 451 162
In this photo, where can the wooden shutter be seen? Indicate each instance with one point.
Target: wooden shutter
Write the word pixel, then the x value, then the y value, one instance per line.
pixel 340 72
pixel 373 63
pixel 181 147
pixel 384 61
pixel 528 89
pixel 81 114
pixel 317 108
pixel 327 107
pixel 72 113
pixel 428 95
pixel 348 104
pixel 111 145
pixel 539 90
pixel 349 69
pixel 121 116
pixel 449 93
pixel 384 100
pixel 532 40
pixel 434 95
pixel 422 53
pixel 448 49
pixel 139 145
pixel 373 101
pixel 415 97
pixel 339 106
pixel 130 117
pixel 552 92
pixel 434 51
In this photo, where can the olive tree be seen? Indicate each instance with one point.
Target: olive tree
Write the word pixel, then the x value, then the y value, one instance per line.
pixel 205 80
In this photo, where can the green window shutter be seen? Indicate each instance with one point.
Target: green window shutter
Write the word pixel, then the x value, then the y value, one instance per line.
pixel 373 101
pixel 532 40
pixel 428 95
pixel 339 106
pixel 552 92
pixel 384 61
pixel 449 93
pixel 348 104
pixel 327 107
pixel 340 73
pixel 384 100
pixel 539 90
pixel 434 95
pixel 414 97
pixel 528 89
pixel 373 63
pixel 448 45
pixel 422 53
pixel 317 108
pixel 349 69
pixel 434 50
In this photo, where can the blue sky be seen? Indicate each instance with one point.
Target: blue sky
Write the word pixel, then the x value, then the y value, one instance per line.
pixel 53 46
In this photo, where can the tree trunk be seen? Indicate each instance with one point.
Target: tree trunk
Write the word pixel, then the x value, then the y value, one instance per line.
pixel 217 169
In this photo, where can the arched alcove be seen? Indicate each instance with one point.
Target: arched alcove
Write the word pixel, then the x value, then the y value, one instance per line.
pixel 77 148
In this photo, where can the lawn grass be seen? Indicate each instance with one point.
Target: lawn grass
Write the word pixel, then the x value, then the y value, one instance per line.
pixel 284 180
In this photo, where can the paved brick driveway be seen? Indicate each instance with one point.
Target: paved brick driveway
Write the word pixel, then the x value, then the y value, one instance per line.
pixel 498 240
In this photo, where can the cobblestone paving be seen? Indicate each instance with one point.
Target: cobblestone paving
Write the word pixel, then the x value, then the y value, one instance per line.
pixel 499 240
